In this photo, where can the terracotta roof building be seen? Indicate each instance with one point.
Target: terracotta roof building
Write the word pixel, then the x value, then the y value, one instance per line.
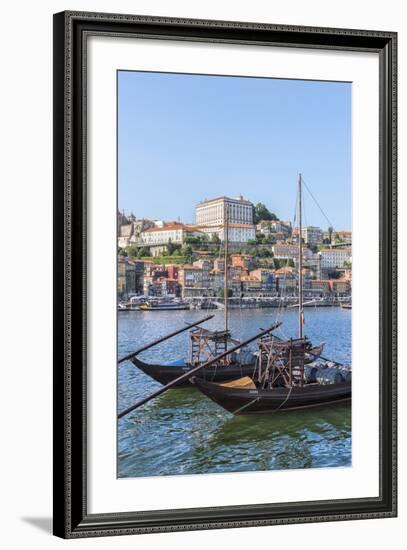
pixel 172 232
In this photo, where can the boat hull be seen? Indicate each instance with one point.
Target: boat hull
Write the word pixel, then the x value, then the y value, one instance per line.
pixel 167 373
pixel 165 308
pixel 241 401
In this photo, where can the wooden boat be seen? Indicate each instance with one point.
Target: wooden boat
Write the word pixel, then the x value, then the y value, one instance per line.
pixel 241 363
pixel 244 396
pixel 283 380
pixel 167 372
pixel 190 373
pixel 122 307
pixel 168 306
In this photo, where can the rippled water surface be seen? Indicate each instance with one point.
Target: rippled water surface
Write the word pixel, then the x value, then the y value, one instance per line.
pixel 183 432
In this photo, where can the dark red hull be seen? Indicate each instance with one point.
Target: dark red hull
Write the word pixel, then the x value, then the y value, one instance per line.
pixel 258 401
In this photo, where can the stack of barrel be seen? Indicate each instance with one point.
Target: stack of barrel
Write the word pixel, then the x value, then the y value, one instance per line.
pixel 327 373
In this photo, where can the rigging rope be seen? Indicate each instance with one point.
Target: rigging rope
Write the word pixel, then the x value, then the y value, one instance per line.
pixel 246 405
pixel 285 400
pixel 318 205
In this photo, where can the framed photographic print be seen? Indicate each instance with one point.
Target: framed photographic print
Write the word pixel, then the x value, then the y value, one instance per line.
pixel 224 274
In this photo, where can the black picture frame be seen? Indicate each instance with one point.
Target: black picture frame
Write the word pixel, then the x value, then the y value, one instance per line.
pixel 71 519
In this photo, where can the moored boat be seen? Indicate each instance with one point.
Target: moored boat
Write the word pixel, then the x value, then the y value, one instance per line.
pixel 164 306
pixel 165 372
pixel 205 344
pixel 244 396
pixel 168 371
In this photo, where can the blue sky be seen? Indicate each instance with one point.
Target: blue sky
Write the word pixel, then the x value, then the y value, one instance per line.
pixel 184 138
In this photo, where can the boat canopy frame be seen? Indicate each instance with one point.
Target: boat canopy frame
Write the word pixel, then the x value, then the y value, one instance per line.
pixel 282 362
pixel 205 344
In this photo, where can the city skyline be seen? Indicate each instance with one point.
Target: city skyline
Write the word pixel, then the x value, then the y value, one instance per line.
pixel 167 220
pixel 185 138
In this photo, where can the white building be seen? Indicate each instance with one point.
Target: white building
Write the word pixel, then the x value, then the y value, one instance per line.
pixel 210 218
pixel 342 236
pixel 312 236
pixel 279 226
pixel 211 212
pixel 130 233
pixel 172 232
pixel 332 258
pixel 291 252
pixel 284 251
pixel 273 227
pixel 237 232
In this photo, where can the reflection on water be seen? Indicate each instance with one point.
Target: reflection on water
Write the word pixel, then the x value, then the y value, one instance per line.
pixel 183 432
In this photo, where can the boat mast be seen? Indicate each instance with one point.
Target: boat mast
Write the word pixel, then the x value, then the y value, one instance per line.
pixel 300 284
pixel 225 280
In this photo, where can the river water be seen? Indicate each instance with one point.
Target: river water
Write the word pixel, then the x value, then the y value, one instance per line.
pixel 183 432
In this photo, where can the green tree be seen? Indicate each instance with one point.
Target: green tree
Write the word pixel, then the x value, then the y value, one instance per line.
pixel 192 240
pixel 187 251
pixel 132 251
pixel 215 238
pixel 143 251
pixel 172 248
pixel 334 274
pixel 121 252
pixel 260 238
pixel 261 212
pixel 197 240
pixel 264 252
pixel 222 293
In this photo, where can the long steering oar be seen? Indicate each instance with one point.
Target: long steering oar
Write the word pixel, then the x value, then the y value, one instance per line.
pixel 195 370
pixel 162 339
